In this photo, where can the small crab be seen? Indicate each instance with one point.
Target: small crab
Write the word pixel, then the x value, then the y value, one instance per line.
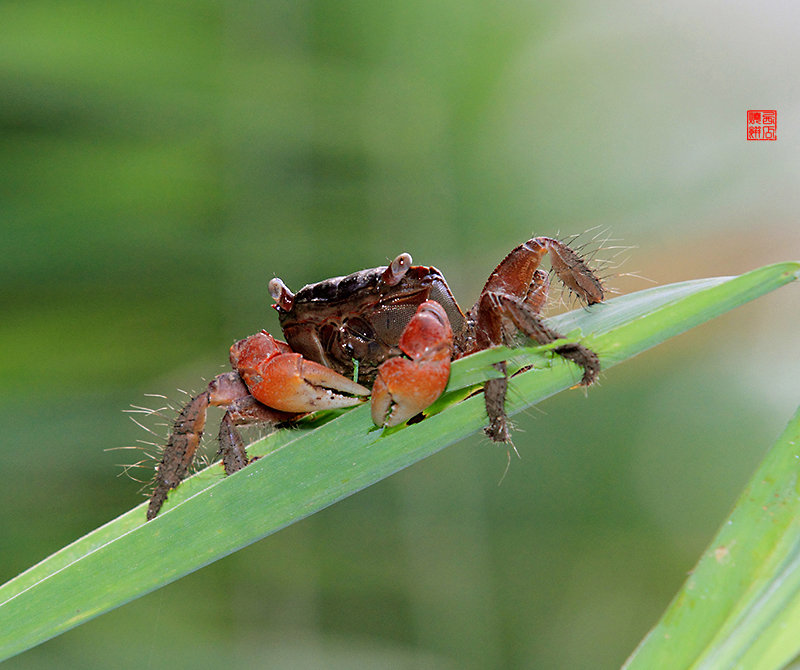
pixel 393 328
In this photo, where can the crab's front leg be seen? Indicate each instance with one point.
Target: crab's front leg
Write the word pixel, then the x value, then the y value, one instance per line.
pixel 407 384
pixel 226 390
pixel 270 384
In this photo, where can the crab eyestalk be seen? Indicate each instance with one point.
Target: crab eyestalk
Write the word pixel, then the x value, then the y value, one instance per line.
pixel 283 297
pixel 397 269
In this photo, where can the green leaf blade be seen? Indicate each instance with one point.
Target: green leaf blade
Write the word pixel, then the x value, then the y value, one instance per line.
pixel 308 468
pixel 740 607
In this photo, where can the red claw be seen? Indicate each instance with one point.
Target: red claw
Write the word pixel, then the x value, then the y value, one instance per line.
pixel 288 382
pixel 406 386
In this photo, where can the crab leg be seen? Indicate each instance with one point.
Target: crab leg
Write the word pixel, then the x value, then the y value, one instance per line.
pixel 243 411
pixel 179 452
pixel 515 273
pixel 537 292
pixel 497 308
pixel 225 390
pixel 406 386
pixel 494 397
pixel 511 301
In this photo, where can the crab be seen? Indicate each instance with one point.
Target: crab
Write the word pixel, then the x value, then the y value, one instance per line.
pixel 394 329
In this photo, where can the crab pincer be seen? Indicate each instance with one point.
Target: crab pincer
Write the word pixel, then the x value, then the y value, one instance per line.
pixel 286 381
pixel 406 385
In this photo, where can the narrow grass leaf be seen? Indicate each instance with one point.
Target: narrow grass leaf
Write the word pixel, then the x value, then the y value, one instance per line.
pixel 740 606
pixel 329 457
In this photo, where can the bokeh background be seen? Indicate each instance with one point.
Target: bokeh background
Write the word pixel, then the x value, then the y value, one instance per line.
pixel 161 160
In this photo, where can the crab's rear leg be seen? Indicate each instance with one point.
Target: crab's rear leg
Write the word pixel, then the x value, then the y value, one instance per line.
pixel 515 273
pixel 497 308
pixel 225 390
pixel 511 300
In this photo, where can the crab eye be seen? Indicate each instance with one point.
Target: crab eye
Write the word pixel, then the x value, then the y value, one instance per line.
pixel 397 270
pixel 281 294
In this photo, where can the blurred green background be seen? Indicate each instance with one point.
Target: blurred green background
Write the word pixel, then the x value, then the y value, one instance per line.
pixel 161 161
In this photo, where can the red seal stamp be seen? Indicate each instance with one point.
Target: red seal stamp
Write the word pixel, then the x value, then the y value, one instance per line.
pixel 762 124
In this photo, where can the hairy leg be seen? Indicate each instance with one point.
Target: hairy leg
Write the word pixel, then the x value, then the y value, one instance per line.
pixel 243 412
pixel 502 312
pixel 226 390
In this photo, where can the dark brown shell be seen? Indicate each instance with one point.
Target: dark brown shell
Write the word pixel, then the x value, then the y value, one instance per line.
pixel 359 318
